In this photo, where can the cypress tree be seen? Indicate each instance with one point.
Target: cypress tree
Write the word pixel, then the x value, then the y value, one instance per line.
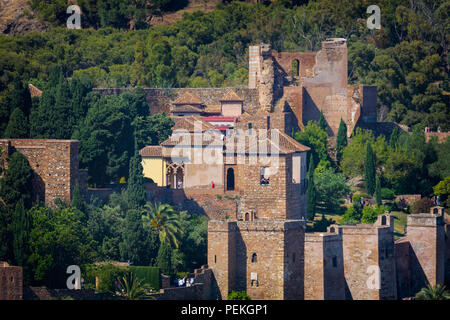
pixel 378 191
pixel 164 260
pixel 137 195
pixel 370 173
pixel 393 140
pixel 20 228
pixel 16 183
pixel 134 239
pixel 322 122
pixel 21 97
pixel 310 191
pixel 17 126
pixel 79 203
pixel 341 139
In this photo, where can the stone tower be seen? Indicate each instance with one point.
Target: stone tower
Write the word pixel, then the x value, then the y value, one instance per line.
pixel 262 75
pixel 426 236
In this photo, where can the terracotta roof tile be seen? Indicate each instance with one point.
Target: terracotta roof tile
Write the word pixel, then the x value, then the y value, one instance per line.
pixel 186 108
pixel 189 123
pixel 213 109
pixel 188 97
pixel 151 151
pixel 231 96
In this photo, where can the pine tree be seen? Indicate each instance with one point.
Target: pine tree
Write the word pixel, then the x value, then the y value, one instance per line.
pixel 370 173
pixel 310 191
pixel 164 260
pixel 378 191
pixel 341 139
pixel 393 140
pixel 137 195
pixel 322 122
pixel 17 126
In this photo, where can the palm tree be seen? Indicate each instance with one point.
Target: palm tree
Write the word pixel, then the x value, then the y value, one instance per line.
pixel 165 220
pixel 436 292
pixel 132 287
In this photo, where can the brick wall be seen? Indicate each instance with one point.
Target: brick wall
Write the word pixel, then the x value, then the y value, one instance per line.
pixel 264 258
pixel 324 267
pixel 55 164
pixel 159 99
pixel 425 233
pixel 11 282
pixel 366 247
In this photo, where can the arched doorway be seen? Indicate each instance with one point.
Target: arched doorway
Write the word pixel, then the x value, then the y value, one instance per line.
pixel 230 179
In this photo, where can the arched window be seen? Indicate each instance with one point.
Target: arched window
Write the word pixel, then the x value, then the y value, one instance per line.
pixel 254 258
pixel 295 68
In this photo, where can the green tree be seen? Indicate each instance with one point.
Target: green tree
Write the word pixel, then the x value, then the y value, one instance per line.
pixel 330 187
pixel 370 173
pixel 106 140
pixel 341 139
pixel 136 193
pixel 134 243
pixel 164 260
pixel 166 221
pixel 393 140
pixel 16 183
pixel 77 199
pixel 20 228
pixel 436 292
pixel 17 125
pixel 378 191
pixel 322 122
pixel 351 216
pixel 353 157
pixel 310 191
pixel 442 189
pixel 57 239
pixel 315 138
pixel 133 289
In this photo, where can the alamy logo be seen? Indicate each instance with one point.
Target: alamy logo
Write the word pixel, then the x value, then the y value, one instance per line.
pixel 74 280
pixel 74 21
pixel 374 21
pixel 374 280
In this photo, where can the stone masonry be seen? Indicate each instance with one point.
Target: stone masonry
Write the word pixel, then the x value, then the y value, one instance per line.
pixel 55 166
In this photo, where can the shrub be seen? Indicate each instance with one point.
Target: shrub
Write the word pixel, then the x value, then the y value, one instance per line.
pixel 422 206
pixel 148 275
pixel 351 216
pixel 387 193
pixel 238 295
pixel 107 275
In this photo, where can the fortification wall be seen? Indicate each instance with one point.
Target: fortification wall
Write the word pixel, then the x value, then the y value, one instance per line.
pixel 367 249
pixel 11 282
pixel 426 236
pixel 55 164
pixel 159 99
pixel 324 267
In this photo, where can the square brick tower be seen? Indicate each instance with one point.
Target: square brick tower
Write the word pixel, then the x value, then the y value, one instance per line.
pixel 261 252
pixel 426 236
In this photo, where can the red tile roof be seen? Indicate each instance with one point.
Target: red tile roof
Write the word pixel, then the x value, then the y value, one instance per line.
pixel 231 96
pixel 151 151
pixel 188 97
